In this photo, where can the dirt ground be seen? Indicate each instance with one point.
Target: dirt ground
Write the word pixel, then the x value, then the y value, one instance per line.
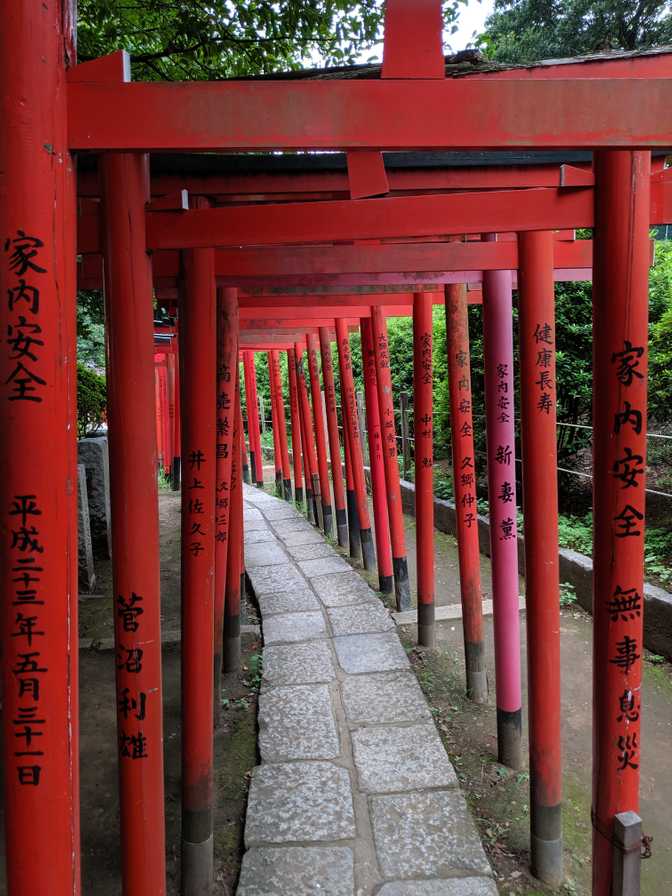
pixel 235 740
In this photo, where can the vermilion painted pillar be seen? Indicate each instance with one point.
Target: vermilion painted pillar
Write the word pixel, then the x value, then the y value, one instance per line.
pixel 282 426
pixel 320 436
pixel 234 569
pixel 158 413
pixel 378 488
pixel 464 486
pixel 389 437
pixel 307 423
pixel 308 479
pixel 540 513
pixel 424 462
pixel 172 410
pixel 334 441
pixel 227 378
pixel 244 461
pixel 165 415
pixel 500 412
pixel 296 427
pixel 177 436
pixel 620 361
pixel 38 482
pixel 199 335
pixel 135 536
pixel 349 408
pixel 253 417
pixel 275 423
pixel 354 540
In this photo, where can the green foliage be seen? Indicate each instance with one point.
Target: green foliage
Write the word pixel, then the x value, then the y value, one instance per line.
pixel 178 40
pixel 567 594
pixel 198 40
pixel 576 533
pixel 91 399
pixel 523 31
pixel 91 329
pixel 658 554
pixel 660 352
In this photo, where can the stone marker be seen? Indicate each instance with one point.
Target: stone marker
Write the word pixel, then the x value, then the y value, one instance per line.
pixel 87 574
pixel 93 454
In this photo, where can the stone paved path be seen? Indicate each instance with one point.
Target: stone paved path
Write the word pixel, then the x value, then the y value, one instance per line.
pixel 355 793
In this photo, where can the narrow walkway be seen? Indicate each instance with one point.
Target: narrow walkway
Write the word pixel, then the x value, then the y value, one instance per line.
pixel 355 793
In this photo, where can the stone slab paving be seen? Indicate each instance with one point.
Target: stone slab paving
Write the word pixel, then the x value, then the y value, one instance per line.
pixel 355 795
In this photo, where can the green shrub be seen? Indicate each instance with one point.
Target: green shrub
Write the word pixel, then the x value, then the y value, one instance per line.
pixel 91 400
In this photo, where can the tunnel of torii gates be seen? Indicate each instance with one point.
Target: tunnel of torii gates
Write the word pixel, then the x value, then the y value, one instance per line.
pixel 272 262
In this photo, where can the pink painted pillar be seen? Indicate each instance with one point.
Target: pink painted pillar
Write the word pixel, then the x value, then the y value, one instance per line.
pixel 499 400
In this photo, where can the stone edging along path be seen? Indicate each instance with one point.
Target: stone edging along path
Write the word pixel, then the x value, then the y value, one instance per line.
pixel 355 793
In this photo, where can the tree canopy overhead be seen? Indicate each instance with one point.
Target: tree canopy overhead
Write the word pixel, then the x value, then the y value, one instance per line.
pixel 212 39
pixel 521 31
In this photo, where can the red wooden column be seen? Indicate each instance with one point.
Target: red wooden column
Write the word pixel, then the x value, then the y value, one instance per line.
pixel 38 482
pixel 464 485
pixel 177 437
pixel 227 378
pixel 378 487
pixel 320 435
pixel 282 426
pixel 334 441
pixel 349 408
pixel 172 410
pixel 165 415
pixel 275 423
pixel 424 461
pixel 540 513
pixel 354 540
pixel 135 535
pixel 244 461
pixel 234 568
pixel 199 388
pixel 310 460
pixel 620 360
pixel 253 417
pixel 308 479
pixel 499 401
pixel 389 435
pixel 296 427
pixel 158 413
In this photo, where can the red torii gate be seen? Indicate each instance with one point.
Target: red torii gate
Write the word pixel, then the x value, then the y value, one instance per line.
pixel 76 109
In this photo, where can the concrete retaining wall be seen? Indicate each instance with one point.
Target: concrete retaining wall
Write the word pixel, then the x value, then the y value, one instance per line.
pixel 575 568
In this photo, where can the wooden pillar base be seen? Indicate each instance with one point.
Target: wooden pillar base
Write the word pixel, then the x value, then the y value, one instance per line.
pixel 197 861
pixel 176 474
pixel 546 842
pixel 342 527
pixel 368 550
pixel 402 585
pixel 354 540
pixel 477 678
pixel 426 626
pixel 509 734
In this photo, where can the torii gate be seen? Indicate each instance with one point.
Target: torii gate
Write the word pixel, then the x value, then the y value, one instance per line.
pixel 53 108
